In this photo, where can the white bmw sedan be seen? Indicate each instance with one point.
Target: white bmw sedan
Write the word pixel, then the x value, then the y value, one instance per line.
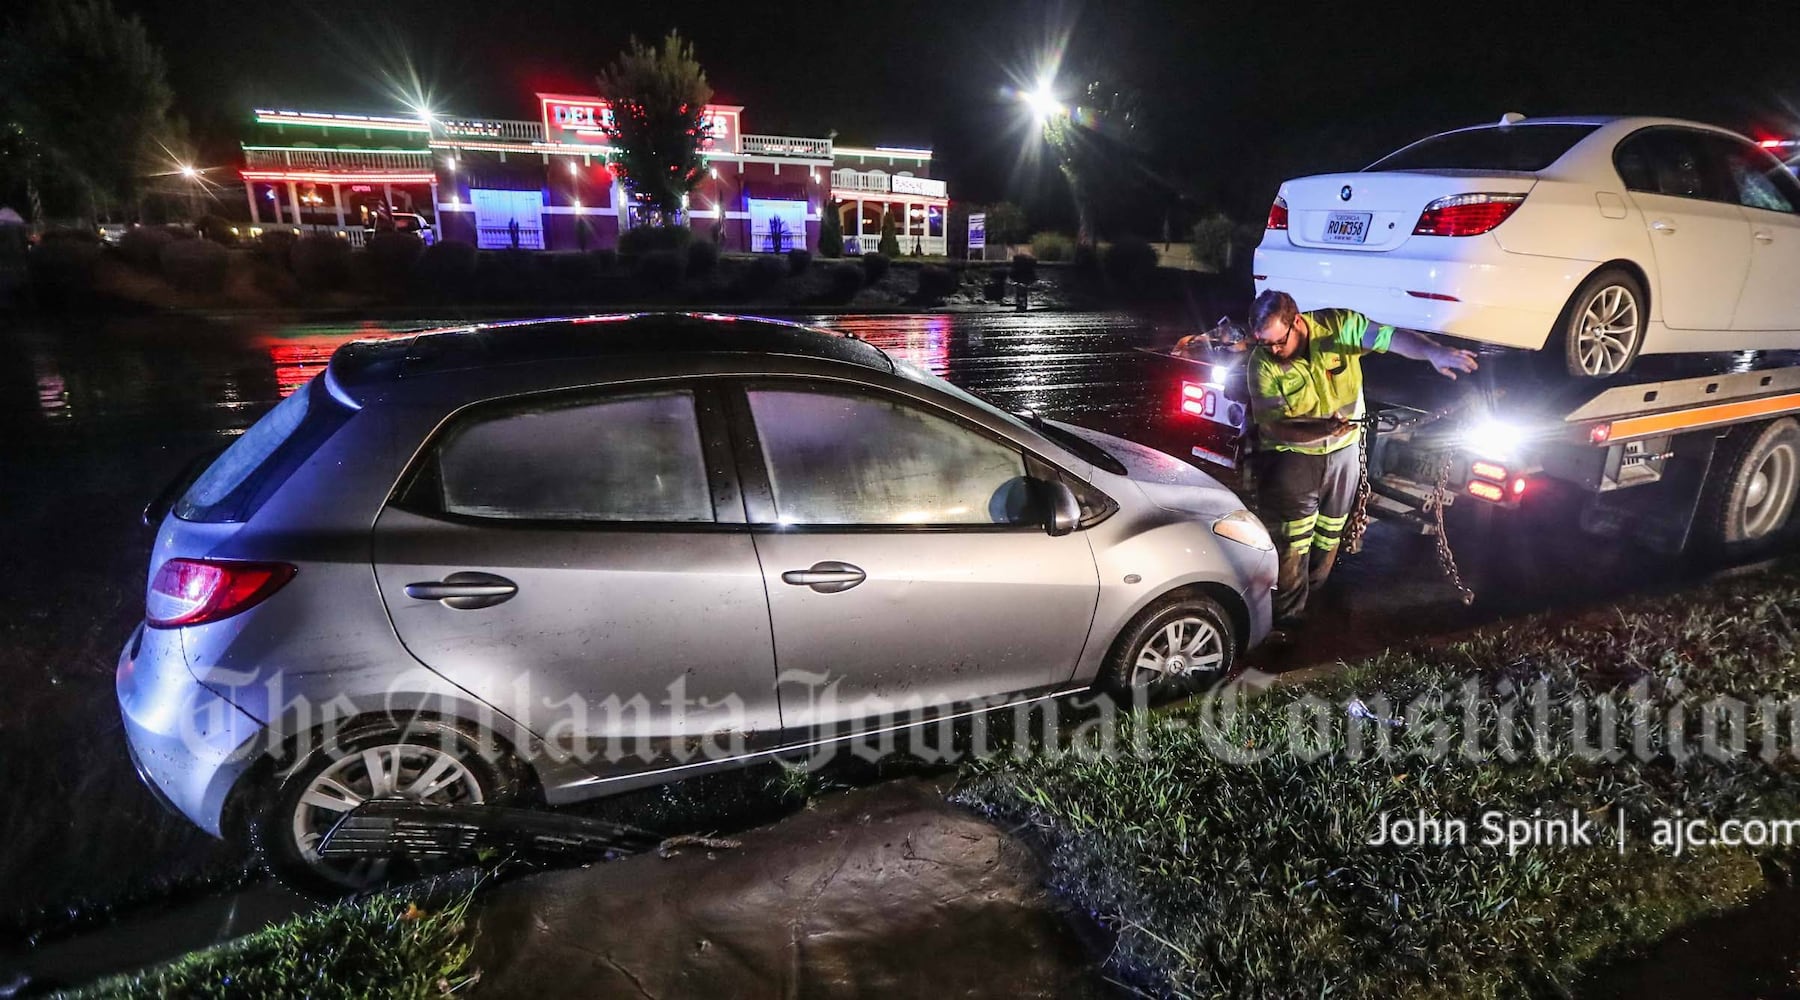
pixel 1597 238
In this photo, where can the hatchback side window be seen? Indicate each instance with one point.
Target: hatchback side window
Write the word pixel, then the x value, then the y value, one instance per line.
pixel 620 458
pixel 851 459
pixel 1762 181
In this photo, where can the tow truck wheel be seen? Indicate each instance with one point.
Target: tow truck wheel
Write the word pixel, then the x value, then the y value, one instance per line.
pixel 1602 327
pixel 1751 497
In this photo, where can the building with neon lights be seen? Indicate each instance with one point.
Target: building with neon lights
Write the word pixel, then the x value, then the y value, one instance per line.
pixel 549 184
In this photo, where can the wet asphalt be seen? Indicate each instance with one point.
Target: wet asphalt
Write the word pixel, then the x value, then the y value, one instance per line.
pixel 96 415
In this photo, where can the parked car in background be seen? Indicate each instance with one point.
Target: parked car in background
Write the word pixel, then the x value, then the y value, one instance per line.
pixel 1599 238
pixel 505 552
pixel 407 222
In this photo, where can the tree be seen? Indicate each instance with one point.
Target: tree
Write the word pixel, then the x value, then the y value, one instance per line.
pixel 1006 224
pixel 890 236
pixel 84 107
pixel 658 97
pixel 831 231
pixel 1088 143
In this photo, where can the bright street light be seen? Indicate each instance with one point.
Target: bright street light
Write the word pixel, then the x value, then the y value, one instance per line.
pixel 1042 102
pixel 188 171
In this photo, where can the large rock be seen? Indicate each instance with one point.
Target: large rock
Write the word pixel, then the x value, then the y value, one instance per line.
pixel 884 891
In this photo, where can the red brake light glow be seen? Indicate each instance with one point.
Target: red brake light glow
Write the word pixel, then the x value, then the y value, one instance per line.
pixel 1489 470
pixel 1466 214
pixel 197 591
pixel 1486 491
pixel 1278 216
pixel 1518 487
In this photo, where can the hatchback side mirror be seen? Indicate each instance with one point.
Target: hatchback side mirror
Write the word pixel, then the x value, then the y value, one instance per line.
pixel 1065 510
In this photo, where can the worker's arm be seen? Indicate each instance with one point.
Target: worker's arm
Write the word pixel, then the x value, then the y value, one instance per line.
pixel 1418 347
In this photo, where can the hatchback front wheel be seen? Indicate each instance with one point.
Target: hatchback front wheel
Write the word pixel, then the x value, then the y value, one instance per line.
pixel 1172 646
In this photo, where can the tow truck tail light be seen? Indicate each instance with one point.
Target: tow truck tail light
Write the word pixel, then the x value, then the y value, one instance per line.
pixel 1489 470
pixel 1486 490
pixel 1198 399
pixel 1599 434
pixel 197 591
pixel 1466 214
pixel 1278 216
pixel 1518 487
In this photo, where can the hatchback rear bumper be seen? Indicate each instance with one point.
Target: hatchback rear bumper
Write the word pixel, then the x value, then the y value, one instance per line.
pixel 188 744
pixel 1490 296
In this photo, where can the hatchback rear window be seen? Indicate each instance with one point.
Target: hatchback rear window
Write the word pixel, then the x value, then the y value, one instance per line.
pixel 1527 148
pixel 247 473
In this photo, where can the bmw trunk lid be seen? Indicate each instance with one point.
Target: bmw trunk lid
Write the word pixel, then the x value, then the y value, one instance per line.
pixel 1373 212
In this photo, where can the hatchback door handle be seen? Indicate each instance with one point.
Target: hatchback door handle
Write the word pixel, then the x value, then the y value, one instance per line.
pixel 1663 226
pixel 826 577
pixel 465 591
pixel 1764 236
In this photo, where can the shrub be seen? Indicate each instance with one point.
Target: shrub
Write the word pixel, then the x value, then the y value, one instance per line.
pixel 321 262
pixel 1212 241
pixel 935 282
pixel 391 258
pixel 995 288
pixel 570 275
pixel 606 260
pixel 62 265
pixel 507 275
pixel 648 239
pixel 843 281
pixel 764 274
pixel 702 258
pixel 446 268
pixel 216 228
pixel 276 246
pixel 1052 247
pixel 1130 262
pixel 1085 263
pixel 875 267
pixel 1024 269
pixel 831 232
pixel 195 266
pixel 890 237
pixel 142 246
pixel 798 261
pixel 662 270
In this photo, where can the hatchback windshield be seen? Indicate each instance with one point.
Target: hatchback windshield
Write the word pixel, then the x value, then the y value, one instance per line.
pixel 1527 148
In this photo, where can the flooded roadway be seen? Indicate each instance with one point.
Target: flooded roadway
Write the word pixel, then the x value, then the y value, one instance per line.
pixel 95 416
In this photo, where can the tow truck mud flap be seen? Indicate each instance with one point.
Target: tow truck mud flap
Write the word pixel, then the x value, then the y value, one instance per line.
pixel 389 827
pixel 1660 519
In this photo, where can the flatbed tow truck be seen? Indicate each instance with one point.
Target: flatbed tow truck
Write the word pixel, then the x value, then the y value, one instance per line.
pixel 1682 454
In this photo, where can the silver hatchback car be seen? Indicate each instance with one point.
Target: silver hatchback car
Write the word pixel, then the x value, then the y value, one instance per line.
pixel 547 561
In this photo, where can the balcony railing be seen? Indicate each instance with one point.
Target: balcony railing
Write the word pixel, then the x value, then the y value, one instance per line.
pixel 931 246
pixel 486 130
pixel 879 182
pixel 265 158
pixel 784 145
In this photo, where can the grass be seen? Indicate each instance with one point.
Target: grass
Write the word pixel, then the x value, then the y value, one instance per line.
pixel 1253 877
pixel 382 947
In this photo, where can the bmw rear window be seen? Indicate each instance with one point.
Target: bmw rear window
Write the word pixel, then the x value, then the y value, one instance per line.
pixel 1526 148
pixel 260 460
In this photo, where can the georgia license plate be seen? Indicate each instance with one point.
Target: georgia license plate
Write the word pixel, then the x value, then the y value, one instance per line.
pixel 1347 227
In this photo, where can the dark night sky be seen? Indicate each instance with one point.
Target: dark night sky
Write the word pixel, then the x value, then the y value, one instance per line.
pixel 1236 95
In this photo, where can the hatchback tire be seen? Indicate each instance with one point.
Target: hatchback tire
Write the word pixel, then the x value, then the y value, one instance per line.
pixel 1602 327
pixel 1171 647
pixel 421 761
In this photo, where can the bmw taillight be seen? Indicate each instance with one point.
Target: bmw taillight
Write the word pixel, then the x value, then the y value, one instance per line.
pixel 1278 214
pixel 1466 214
pixel 197 591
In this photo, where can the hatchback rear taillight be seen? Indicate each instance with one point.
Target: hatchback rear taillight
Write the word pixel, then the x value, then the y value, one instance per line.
pixel 1278 214
pixel 1466 214
pixel 196 591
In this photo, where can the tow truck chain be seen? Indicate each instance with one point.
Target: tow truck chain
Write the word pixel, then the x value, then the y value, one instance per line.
pixel 1434 505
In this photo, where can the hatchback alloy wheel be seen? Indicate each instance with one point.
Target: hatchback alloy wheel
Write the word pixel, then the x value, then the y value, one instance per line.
pixel 1183 648
pixel 412 772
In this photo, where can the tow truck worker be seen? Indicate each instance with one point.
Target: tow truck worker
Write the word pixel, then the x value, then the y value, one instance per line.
pixel 1306 396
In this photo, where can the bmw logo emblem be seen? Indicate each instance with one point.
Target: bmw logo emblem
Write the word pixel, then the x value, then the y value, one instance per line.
pixel 1344 192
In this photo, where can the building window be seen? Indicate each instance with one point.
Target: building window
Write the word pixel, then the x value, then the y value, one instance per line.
pixel 777 226
pixel 505 219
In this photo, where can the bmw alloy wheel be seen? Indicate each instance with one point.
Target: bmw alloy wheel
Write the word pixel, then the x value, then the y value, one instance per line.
pixel 1606 335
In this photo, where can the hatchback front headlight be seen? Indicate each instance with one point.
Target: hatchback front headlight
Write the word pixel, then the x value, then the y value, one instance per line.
pixel 1242 527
